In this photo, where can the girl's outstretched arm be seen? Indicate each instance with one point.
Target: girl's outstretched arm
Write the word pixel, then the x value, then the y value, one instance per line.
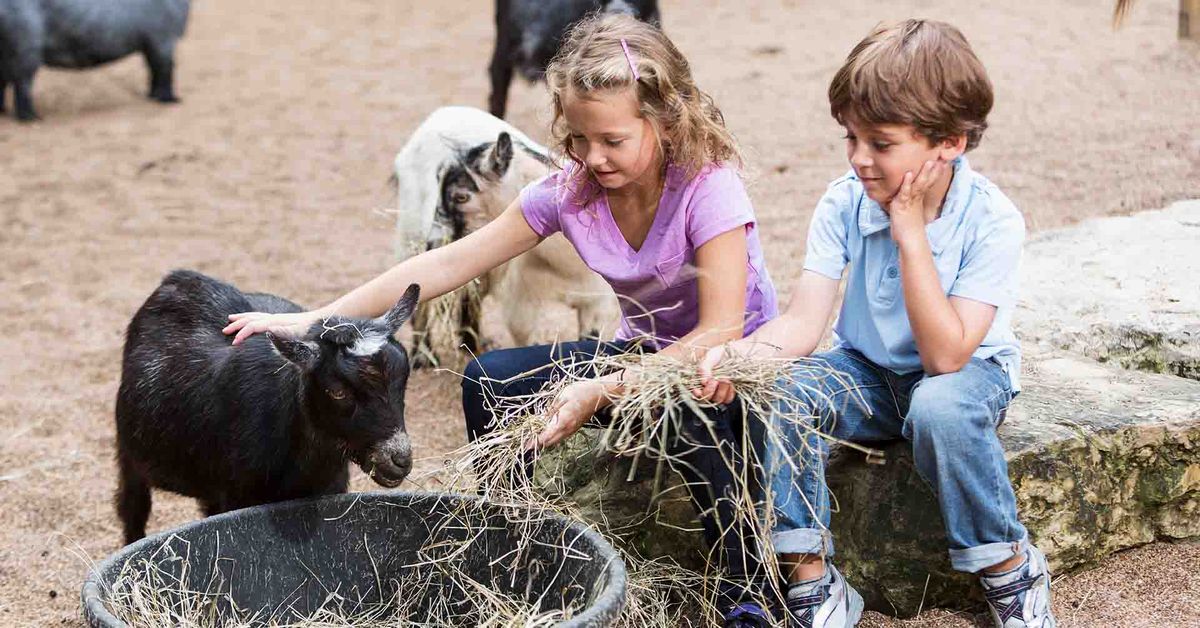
pixel 438 271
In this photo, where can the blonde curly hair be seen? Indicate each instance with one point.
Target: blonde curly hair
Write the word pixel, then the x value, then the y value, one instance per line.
pixel 690 128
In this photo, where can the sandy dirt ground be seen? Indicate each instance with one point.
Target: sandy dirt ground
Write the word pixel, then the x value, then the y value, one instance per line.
pixel 273 172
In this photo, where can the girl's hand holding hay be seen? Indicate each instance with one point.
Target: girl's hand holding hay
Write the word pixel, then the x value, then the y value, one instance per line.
pixel 570 410
pixel 579 401
pixel 711 388
pixel 715 388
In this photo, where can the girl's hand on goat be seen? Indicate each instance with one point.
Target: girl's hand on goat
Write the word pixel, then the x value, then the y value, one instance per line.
pixel 570 410
pixel 711 388
pixel 246 324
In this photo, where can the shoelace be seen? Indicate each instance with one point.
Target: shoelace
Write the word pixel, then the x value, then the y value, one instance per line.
pixel 1017 590
pixel 804 609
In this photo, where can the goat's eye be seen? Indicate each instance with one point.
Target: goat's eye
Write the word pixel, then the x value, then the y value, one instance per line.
pixel 337 394
pixel 460 197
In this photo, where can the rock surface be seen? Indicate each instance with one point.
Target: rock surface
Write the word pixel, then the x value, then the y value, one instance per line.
pixel 1102 458
pixel 1123 289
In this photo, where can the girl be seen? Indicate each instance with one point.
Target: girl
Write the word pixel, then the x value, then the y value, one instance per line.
pixel 651 203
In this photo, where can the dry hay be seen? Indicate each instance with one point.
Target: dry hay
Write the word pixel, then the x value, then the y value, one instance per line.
pixel 657 394
pixel 660 593
pixel 438 324
pixel 164 590
pixel 438 330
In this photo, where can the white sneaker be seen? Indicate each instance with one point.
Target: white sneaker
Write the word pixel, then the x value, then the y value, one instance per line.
pixel 827 603
pixel 1021 598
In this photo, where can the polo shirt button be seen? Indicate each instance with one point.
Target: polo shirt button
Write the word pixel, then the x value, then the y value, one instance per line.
pixel 893 273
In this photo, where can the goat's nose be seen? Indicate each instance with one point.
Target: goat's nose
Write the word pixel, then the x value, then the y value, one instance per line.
pixel 402 460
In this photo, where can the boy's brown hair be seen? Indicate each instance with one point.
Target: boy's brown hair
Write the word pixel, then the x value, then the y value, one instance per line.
pixel 917 72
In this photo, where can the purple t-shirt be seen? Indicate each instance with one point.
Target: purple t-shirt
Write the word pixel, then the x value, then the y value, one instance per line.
pixel 656 284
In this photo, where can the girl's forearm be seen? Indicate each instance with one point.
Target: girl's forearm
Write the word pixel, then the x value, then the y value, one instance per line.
pixel 690 348
pixel 442 269
pixel 379 294
pixel 693 346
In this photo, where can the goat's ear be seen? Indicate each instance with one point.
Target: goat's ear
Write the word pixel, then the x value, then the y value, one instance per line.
pixel 500 157
pixel 302 353
pixel 403 308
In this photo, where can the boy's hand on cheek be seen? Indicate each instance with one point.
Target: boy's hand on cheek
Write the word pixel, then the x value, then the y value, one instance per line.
pixel 907 207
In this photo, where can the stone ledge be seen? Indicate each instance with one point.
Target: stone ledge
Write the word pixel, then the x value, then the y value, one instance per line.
pixel 1101 458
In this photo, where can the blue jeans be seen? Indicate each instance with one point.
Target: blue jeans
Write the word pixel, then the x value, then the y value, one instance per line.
pixel 695 456
pixel 950 420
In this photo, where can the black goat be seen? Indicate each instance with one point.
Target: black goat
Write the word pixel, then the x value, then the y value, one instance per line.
pixel 269 420
pixel 529 33
pixel 85 33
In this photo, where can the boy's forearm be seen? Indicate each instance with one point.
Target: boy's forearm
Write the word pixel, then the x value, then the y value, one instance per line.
pixel 690 348
pixel 937 329
pixel 785 336
pixel 798 330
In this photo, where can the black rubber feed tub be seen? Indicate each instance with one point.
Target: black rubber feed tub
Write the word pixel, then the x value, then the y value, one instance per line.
pixel 290 555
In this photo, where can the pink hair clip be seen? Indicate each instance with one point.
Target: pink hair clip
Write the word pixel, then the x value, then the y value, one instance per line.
pixel 629 58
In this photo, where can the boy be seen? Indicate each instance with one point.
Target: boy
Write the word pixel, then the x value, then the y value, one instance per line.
pixel 924 333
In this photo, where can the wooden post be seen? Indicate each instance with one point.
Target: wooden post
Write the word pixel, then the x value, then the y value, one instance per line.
pixel 1189 19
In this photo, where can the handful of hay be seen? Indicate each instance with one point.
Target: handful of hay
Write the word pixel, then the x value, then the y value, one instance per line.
pixel 656 397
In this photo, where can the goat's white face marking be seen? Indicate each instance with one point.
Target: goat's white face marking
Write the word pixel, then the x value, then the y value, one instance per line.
pixel 367 345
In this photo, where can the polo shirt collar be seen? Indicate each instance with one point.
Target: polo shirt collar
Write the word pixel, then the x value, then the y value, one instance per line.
pixel 872 219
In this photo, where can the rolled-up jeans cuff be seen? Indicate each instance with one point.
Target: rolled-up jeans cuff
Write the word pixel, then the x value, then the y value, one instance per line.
pixel 803 541
pixel 980 557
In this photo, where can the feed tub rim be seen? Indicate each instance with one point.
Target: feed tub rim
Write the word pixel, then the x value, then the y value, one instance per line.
pixel 92 594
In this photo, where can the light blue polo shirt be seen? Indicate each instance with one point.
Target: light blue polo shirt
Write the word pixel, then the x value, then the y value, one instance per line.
pixel 976 243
